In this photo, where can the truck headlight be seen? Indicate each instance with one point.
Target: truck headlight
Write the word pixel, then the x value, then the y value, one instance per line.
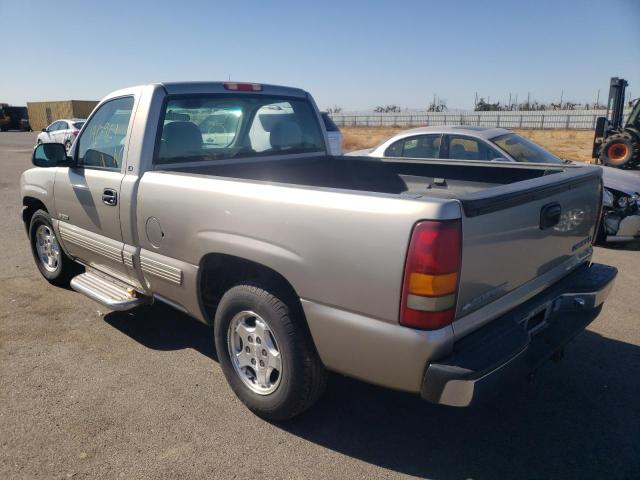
pixel 607 198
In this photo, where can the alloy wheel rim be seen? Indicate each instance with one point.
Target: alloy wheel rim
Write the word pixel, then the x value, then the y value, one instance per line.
pixel 254 352
pixel 48 248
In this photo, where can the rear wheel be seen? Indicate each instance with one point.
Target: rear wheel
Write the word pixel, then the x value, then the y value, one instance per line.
pixel 266 352
pixel 621 150
pixel 67 146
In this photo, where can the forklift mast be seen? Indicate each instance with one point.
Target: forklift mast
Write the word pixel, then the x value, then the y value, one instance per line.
pixel 615 107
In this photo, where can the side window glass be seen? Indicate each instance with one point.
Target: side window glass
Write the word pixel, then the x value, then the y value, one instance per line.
pixel 465 148
pixel 422 146
pixel 54 126
pixel 395 149
pixel 101 144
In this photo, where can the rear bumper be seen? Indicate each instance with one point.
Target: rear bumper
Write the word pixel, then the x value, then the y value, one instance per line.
pixel 515 344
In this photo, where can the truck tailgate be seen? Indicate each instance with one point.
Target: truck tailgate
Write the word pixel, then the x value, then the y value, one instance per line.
pixel 515 234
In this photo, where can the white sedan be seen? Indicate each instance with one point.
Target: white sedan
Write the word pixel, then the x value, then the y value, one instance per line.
pixel 621 195
pixel 62 131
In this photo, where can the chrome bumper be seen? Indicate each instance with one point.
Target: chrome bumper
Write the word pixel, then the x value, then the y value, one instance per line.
pixel 515 344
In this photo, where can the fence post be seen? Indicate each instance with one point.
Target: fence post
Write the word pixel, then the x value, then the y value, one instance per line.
pixel 593 123
pixel 567 126
pixel 498 122
pixel 478 119
pixel 521 120
pixel 541 122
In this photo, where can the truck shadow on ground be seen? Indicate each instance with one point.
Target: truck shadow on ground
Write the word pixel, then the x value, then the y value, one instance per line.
pixel 161 327
pixel 580 419
pixel 633 246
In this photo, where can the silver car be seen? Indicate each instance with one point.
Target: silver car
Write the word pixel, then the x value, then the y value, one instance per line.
pixel 62 131
pixel 621 201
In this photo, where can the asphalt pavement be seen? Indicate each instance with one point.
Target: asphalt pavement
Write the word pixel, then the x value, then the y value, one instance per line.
pixel 88 393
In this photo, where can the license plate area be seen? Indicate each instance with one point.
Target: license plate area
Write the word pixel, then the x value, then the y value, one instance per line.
pixel 537 320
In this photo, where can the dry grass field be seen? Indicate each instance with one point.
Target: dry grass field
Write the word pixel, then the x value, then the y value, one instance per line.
pixel 571 144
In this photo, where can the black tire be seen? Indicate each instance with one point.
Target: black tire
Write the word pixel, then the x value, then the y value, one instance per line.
pixel 66 268
pixel 621 150
pixel 304 378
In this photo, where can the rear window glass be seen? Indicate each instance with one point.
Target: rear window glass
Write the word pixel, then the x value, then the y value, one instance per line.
pixel 78 125
pixel 217 127
pixel 329 124
pixel 523 150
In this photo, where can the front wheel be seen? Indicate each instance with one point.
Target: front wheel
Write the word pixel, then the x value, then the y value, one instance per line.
pixel 52 262
pixel 621 150
pixel 266 352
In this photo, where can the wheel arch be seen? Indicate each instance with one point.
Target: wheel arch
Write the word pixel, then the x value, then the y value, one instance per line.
pixel 218 272
pixel 31 205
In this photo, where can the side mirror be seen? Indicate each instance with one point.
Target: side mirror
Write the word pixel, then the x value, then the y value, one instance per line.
pixel 44 129
pixel 50 155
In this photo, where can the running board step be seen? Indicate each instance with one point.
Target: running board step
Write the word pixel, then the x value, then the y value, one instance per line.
pixel 108 291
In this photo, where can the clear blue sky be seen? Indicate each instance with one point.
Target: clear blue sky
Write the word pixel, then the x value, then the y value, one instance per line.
pixel 353 54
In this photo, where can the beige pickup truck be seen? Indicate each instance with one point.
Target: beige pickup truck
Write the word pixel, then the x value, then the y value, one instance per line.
pixel 222 200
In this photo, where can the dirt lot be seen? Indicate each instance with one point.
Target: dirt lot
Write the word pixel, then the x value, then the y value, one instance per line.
pixel 85 393
pixel 571 144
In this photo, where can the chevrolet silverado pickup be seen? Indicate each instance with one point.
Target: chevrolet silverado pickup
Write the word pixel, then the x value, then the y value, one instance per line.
pixel 222 200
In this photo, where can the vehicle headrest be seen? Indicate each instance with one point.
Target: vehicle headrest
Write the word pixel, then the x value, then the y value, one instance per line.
pixel 458 150
pixel 285 134
pixel 181 138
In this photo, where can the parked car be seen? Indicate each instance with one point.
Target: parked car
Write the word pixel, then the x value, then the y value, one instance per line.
pixel 13 118
pixel 410 275
pixel 334 135
pixel 62 131
pixel 621 195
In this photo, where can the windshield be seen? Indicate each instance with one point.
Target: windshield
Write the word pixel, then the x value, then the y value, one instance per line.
pixel 523 150
pixel 217 127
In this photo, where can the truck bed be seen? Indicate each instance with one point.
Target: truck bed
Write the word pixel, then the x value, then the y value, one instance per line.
pixel 502 210
pixel 400 177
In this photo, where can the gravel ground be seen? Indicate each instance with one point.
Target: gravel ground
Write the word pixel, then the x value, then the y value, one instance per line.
pixel 85 393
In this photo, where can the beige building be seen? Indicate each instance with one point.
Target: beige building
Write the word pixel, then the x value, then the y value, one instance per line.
pixel 42 114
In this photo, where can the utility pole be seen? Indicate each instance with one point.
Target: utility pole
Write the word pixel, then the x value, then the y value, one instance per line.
pixel 598 99
pixel 561 95
pixel 475 103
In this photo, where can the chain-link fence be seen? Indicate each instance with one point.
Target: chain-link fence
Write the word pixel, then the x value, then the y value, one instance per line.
pixel 567 119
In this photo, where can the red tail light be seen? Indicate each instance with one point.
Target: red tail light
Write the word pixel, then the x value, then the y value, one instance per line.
pixel 243 87
pixel 431 275
pixel 75 132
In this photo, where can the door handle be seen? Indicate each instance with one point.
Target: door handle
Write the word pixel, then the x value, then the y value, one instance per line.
pixel 109 197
